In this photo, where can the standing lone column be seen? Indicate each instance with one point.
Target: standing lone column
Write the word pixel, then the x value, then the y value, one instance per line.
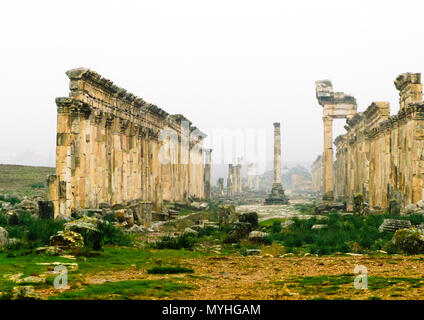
pixel 277 153
pixel 277 195
pixel 230 181
pixel 328 158
pixel 208 165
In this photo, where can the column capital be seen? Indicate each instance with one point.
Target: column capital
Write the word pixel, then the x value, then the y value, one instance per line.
pixel 327 119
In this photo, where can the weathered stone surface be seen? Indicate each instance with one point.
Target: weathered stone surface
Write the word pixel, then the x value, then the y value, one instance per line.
pixel 227 214
pixel 258 236
pixel 411 208
pixel 319 226
pixel 394 208
pixel 253 252
pixel 240 231
pixel 380 155
pixel 391 225
pixel 27 205
pixel 31 280
pixel 325 208
pixel 45 209
pixel 190 231
pixel 410 241
pixel 104 205
pixel 109 151
pixel 67 240
pixel 250 217
pixel 359 207
pixel 25 293
pixel 88 228
pixel 286 224
pixel 277 195
pixel 4 237
pixel 137 229
pixel 50 250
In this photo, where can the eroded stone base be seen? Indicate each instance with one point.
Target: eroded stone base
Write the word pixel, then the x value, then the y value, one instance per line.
pixel 277 195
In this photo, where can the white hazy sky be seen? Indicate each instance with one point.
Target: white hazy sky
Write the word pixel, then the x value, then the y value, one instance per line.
pixel 223 64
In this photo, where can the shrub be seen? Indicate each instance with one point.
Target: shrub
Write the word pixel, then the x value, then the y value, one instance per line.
pixel 11 200
pixel 185 241
pixel 3 220
pixel 276 227
pixel 169 270
pixel 344 233
pixel 39 185
pixel 36 231
pixel 114 235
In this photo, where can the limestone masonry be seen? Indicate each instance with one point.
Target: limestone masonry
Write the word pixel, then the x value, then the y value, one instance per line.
pixel 380 156
pixel 113 147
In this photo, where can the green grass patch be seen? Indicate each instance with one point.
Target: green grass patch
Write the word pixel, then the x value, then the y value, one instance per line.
pixel 344 233
pixel 169 270
pixel 122 290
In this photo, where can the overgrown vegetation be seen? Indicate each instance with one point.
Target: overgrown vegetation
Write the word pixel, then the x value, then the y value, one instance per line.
pixel 169 270
pixel 344 233
pixel 36 232
pixel 12 199
pixel 185 241
pixel 114 235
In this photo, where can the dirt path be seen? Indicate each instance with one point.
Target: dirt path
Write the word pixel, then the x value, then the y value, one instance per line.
pixel 256 277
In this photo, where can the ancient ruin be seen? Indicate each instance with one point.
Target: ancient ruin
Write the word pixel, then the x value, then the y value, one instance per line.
pixel 277 195
pixel 336 105
pixel 381 156
pixel 113 147
pixel 252 183
pixel 317 171
pixel 208 169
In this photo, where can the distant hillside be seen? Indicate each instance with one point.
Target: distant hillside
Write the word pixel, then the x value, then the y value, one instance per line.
pixel 23 180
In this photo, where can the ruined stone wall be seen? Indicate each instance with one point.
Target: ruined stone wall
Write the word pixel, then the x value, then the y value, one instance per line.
pixel 111 147
pixel 382 156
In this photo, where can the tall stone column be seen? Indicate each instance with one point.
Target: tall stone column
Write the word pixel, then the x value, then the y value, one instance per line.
pixel 230 181
pixel 328 158
pixel 277 195
pixel 207 177
pixel 277 153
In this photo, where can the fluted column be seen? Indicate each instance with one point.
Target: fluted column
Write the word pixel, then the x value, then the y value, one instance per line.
pixel 208 167
pixel 328 158
pixel 277 153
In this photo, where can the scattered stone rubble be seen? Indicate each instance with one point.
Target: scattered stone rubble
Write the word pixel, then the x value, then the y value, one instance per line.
pixel 392 225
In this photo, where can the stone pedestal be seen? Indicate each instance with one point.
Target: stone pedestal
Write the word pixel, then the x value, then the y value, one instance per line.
pixel 277 195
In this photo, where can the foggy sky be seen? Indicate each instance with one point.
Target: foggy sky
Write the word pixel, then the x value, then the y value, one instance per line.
pixel 223 64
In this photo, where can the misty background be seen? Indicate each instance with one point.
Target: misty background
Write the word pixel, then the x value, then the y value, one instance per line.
pixel 223 64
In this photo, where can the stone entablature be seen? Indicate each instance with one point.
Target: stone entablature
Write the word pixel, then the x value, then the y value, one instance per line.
pixel 384 155
pixel 110 144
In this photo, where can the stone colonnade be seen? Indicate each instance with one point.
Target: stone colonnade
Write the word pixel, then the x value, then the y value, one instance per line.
pixel 317 171
pixel 336 105
pixel 234 181
pixel 382 156
pixel 111 148
pixel 208 169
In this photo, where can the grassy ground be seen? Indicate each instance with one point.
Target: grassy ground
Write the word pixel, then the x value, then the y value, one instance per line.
pixel 115 273
pixel 23 180
pixel 123 273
